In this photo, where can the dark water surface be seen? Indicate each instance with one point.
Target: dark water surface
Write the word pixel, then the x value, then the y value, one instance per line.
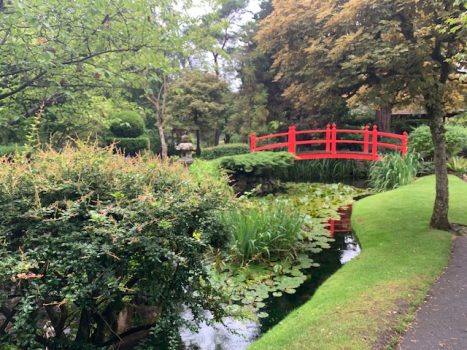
pixel 238 334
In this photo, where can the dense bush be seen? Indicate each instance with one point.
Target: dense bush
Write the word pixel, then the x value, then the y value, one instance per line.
pixel 393 171
pixel 458 165
pixel 9 150
pixel 256 170
pixel 420 140
pixel 127 124
pixel 130 145
pixel 102 248
pixel 230 149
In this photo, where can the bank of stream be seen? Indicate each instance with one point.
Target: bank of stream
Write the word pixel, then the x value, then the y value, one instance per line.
pixel 238 334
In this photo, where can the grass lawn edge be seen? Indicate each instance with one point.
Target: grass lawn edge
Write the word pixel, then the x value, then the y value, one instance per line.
pixel 370 301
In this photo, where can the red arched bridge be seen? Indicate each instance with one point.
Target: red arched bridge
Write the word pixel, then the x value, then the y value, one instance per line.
pixel 331 143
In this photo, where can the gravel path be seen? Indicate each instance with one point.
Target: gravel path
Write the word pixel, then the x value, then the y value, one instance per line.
pixel 441 323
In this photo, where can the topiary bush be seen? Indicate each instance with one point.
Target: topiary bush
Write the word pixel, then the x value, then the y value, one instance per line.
pixel 256 170
pixel 11 149
pixel 105 250
pixel 230 149
pixel 131 146
pixel 420 140
pixel 127 124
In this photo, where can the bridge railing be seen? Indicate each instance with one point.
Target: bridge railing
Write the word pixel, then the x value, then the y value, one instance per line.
pixel 371 141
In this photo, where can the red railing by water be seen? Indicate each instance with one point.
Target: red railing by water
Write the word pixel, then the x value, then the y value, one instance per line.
pixel 364 144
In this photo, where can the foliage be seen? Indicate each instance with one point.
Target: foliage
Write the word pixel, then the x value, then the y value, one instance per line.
pixel 229 149
pixel 130 146
pixel 196 103
pixel 89 236
pixel 325 170
pixel 260 233
pixel 127 124
pixel 393 171
pixel 273 241
pixel 457 165
pixel 9 150
pixel 420 140
pixel 339 51
pixel 256 163
pixel 401 259
pixel 379 53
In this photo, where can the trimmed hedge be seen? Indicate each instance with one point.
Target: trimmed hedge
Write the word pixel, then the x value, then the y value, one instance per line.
pixel 130 145
pixel 256 163
pixel 256 171
pixel 127 124
pixel 230 149
pixel 8 150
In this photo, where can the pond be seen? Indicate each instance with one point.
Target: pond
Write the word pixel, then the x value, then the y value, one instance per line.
pixel 238 334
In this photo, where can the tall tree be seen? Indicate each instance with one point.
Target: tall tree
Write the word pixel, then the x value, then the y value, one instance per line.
pixel 372 51
pixel 196 103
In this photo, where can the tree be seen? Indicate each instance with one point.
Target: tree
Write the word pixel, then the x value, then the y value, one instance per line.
pixel 50 54
pixel 378 52
pixel 196 102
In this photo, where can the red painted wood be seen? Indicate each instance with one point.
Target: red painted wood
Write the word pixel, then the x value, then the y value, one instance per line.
pixel 331 141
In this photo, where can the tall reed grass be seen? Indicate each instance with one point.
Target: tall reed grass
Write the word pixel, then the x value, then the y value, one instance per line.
pixel 393 171
pixel 262 232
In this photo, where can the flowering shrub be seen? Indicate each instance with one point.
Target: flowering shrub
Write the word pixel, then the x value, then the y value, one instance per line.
pixel 99 251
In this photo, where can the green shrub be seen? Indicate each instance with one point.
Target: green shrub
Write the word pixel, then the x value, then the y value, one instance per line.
pixel 230 149
pixel 393 171
pixel 325 170
pixel 89 236
pixel 457 164
pixel 256 171
pixel 130 145
pixel 420 140
pixel 127 124
pixel 11 149
pixel 262 232
pixel 256 163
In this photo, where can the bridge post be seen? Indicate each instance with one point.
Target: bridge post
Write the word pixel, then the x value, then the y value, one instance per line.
pixel 328 138
pixel 374 140
pixel 253 142
pixel 333 139
pixel 404 143
pixel 291 140
pixel 366 136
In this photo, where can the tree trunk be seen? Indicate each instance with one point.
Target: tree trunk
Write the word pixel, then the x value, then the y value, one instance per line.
pixel 198 142
pixel 217 137
pixel 164 147
pixel 84 328
pixel 383 119
pixel 159 102
pixel 434 107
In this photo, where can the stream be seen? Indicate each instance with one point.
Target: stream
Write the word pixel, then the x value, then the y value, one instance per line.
pixel 238 334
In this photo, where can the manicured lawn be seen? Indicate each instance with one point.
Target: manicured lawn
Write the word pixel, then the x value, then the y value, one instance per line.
pixel 373 297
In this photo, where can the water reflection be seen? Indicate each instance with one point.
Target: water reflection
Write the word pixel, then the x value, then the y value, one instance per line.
pixel 239 334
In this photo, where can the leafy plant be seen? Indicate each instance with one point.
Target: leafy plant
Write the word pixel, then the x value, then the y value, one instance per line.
pixel 393 171
pixel 256 163
pixel 127 124
pixel 274 240
pixel 457 164
pixel 262 232
pixel 229 149
pixel 90 236
pixel 130 145
pixel 420 140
